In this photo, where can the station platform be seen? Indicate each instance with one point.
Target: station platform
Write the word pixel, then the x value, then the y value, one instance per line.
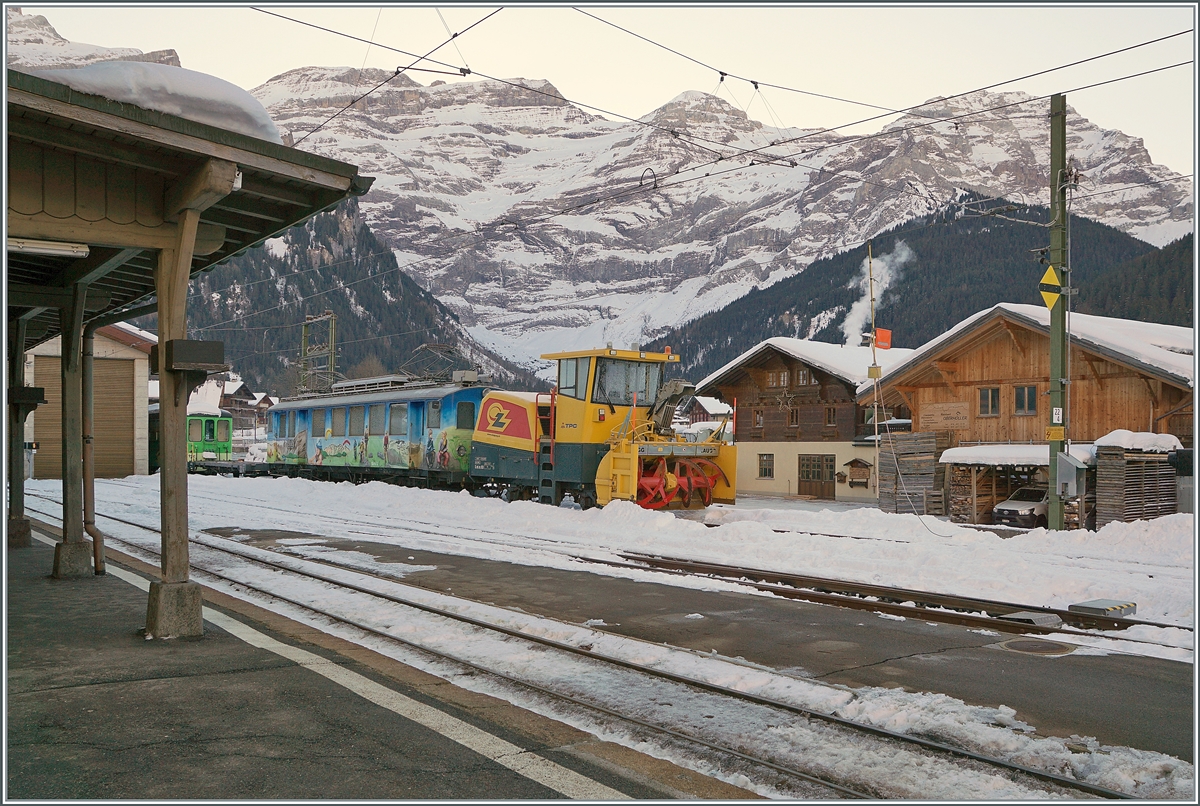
pixel 262 707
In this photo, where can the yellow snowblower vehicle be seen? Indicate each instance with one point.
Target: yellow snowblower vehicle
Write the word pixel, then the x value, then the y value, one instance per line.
pixel 602 434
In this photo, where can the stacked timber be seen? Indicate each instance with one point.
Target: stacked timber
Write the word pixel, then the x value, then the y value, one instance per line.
pixel 909 471
pixel 1132 485
pixel 974 492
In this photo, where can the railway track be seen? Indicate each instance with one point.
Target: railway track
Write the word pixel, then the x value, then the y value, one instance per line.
pixel 623 676
pixel 962 610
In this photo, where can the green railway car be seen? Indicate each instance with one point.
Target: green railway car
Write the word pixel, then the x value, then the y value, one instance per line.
pixel 210 437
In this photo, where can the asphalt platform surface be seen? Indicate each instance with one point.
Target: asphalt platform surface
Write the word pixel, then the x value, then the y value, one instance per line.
pixel 94 711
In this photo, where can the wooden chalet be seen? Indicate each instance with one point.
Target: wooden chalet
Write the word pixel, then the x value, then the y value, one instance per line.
pixel 987 380
pixel 986 383
pixel 797 423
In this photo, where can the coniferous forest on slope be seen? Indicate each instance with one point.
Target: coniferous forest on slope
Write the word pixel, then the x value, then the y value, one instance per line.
pixel 959 266
pixel 257 302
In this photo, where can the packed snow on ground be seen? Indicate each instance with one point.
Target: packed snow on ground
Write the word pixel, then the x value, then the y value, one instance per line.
pixel 1150 562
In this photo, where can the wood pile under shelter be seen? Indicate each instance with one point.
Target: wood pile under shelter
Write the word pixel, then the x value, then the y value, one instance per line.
pixel 1132 485
pixel 976 489
pixel 910 478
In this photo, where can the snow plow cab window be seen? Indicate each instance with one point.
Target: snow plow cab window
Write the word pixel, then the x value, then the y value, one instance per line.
pixel 572 377
pixel 618 381
pixel 210 430
pixel 222 430
pixel 194 430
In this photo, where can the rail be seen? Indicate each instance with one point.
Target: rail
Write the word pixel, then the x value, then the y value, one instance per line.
pixel 587 652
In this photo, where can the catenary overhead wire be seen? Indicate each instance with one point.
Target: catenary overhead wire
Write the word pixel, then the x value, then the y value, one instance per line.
pixel 732 75
pixel 887 110
pixel 536 219
pixel 657 186
pixel 759 151
pixel 398 71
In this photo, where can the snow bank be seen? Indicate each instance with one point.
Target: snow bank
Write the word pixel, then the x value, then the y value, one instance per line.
pixel 173 91
pixel 999 455
pixel 1150 443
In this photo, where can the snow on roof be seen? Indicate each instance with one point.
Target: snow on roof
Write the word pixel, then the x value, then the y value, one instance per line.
pixel 206 400
pixel 1027 455
pixel 1164 349
pixel 231 386
pixel 712 405
pixel 848 363
pixel 174 91
pixel 150 338
pixel 1150 443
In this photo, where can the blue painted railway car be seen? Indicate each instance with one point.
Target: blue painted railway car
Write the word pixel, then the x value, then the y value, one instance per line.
pixel 416 434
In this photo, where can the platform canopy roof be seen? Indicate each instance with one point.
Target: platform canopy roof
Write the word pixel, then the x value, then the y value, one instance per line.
pixel 96 186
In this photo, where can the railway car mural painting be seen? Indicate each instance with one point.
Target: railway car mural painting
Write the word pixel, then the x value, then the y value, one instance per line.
pixel 602 433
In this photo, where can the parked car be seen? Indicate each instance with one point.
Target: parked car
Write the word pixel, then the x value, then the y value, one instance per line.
pixel 1027 507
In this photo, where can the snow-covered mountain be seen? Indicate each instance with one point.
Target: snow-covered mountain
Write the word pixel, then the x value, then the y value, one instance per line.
pixel 545 227
pixel 34 44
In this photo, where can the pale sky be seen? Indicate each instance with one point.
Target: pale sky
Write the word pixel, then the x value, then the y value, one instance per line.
pixel 892 56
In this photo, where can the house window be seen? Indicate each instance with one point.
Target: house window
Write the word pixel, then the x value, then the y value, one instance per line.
pixel 758 418
pixel 1026 400
pixel 802 377
pixel 830 416
pixel 766 465
pixel 793 417
pixel 989 402
pixel 783 378
pixel 772 378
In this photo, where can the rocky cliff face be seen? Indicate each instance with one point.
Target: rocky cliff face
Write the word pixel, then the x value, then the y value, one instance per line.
pixel 34 44
pixel 544 227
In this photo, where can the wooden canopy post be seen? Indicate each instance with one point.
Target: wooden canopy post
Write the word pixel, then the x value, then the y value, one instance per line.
pixel 22 400
pixel 175 601
pixel 72 556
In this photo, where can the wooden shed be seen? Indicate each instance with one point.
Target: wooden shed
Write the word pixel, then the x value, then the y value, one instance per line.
pixel 121 368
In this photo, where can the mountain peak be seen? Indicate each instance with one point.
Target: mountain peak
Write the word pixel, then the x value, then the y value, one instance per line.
pixel 34 44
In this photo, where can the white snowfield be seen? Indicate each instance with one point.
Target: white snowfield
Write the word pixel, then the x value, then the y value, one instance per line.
pixel 1150 563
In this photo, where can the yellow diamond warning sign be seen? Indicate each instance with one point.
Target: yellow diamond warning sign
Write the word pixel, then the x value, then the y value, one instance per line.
pixel 1051 287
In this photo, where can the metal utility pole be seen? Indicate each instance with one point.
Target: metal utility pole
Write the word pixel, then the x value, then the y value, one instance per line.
pixel 318 375
pixel 1056 284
